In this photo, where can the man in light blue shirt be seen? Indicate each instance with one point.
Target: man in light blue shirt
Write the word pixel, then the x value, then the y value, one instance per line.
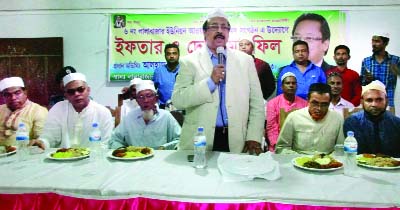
pixel 146 125
pixel 164 76
pixel 306 72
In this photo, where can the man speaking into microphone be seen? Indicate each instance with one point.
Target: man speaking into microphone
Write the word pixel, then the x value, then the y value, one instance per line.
pixel 220 91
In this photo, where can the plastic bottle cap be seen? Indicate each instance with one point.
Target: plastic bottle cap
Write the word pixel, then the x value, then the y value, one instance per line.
pixel 21 125
pixel 94 125
pixel 350 133
pixel 200 129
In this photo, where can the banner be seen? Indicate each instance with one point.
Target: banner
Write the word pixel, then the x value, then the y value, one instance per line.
pixel 136 44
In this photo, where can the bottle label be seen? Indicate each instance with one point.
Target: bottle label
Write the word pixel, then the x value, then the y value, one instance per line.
pixel 95 138
pixel 350 147
pixel 200 141
pixel 21 138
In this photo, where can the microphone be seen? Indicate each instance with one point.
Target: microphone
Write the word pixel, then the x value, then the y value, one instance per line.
pixel 220 54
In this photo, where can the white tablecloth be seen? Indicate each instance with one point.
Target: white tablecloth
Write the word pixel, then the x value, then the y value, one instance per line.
pixel 168 175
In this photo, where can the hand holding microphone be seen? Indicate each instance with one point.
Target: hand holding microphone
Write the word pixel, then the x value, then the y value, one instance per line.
pixel 218 73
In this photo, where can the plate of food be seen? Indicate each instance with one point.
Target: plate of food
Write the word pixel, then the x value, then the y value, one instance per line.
pixel 69 154
pixel 131 153
pixel 378 161
pixel 318 162
pixel 7 150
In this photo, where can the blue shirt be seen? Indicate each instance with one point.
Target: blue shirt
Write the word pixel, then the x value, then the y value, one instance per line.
pixel 222 114
pixel 164 80
pixel 382 72
pixel 162 130
pixel 381 136
pixel 312 74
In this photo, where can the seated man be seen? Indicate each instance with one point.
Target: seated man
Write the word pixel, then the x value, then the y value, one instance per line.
pixel 18 109
pixel 146 125
pixel 376 130
pixel 70 121
pixel 314 129
pixel 338 103
pixel 288 101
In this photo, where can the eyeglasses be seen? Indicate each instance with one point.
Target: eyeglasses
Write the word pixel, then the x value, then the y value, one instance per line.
pixel 322 105
pixel 216 27
pixel 306 39
pixel 71 92
pixel 147 96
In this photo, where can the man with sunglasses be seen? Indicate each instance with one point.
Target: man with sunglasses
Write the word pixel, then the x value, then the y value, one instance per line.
pixel 313 129
pixel 18 109
pixel 70 121
pixel 221 92
pixel 146 125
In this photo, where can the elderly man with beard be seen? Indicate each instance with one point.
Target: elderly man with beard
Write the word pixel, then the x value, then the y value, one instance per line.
pixel 164 76
pixel 146 125
pixel 18 109
pixel 70 121
pixel 220 91
pixel 313 129
pixel 376 130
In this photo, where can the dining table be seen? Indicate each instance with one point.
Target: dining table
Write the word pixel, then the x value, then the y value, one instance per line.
pixel 166 180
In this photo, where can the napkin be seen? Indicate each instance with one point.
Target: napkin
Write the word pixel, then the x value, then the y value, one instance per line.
pixel 238 168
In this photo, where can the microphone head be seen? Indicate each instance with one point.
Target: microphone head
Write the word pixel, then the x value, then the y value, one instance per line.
pixel 220 50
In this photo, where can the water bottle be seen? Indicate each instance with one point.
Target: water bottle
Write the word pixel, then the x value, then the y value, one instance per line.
pixel 22 140
pixel 350 153
pixel 200 149
pixel 96 149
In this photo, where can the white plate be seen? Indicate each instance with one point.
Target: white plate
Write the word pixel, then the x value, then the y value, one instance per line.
pixel 71 158
pixel 378 167
pixel 109 154
pixel 248 165
pixel 7 153
pixel 315 169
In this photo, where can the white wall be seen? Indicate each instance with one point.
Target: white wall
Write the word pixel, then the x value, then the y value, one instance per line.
pixel 84 27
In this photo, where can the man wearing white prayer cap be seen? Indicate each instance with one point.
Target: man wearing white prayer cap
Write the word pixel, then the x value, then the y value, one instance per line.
pixel 381 65
pixel 146 125
pixel 220 89
pixel 288 101
pixel 70 121
pixel 18 109
pixel 375 129
pixel 130 103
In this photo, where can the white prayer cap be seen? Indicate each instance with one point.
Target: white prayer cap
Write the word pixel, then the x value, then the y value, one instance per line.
pixel 72 77
pixel 216 12
pixel 374 85
pixel 381 33
pixel 11 82
pixel 135 81
pixel 288 74
pixel 145 85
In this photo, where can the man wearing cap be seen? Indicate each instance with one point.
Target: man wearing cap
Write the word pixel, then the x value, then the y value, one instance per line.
pixel 287 101
pixel 376 130
pixel 18 109
pixel 306 72
pixel 70 121
pixel 164 76
pixel 130 103
pixel 381 66
pixel 313 129
pixel 146 125
pixel 222 95
pixel 267 80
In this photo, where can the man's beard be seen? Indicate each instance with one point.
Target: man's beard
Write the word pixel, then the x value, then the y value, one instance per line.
pixel 148 114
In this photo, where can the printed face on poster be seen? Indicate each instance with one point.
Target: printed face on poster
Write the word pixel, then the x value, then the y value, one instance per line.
pixel 136 44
